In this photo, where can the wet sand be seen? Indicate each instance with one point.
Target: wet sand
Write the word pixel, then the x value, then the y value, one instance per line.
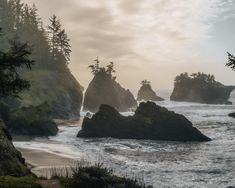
pixel 43 164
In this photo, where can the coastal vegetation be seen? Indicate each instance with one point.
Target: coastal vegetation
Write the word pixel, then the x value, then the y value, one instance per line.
pixel 50 78
pixel 200 87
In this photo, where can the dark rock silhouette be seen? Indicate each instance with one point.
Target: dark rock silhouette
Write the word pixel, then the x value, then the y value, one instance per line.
pixel 103 89
pixel 149 122
pixel 29 121
pixel 11 161
pixel 146 93
pixel 201 88
pixel 232 115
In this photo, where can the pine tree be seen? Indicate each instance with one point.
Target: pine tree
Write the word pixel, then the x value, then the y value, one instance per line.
pixel 231 61
pixel 16 57
pixel 64 46
pixel 54 31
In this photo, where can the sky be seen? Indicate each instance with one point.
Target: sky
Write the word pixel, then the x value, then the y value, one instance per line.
pixel 147 39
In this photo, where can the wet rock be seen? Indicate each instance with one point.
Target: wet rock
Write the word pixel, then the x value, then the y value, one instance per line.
pixel 103 89
pixel 149 122
pixel 31 121
pixel 232 115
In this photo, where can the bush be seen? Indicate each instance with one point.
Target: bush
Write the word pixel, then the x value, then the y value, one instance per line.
pixel 96 176
pixel 23 182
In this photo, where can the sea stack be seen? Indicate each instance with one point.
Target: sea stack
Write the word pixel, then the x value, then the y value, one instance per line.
pixel 104 89
pixel 146 92
pixel 150 121
pixel 200 88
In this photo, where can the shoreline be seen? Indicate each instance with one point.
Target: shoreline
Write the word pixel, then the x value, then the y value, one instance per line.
pixel 43 164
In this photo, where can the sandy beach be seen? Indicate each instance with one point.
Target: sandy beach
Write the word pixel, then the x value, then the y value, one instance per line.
pixel 43 163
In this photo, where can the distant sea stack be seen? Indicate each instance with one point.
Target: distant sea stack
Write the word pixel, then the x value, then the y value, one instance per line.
pixel 146 93
pixel 103 89
pixel 149 122
pixel 201 88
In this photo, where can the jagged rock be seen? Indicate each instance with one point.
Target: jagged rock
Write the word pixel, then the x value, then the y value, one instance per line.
pixel 149 122
pixel 146 93
pixel 30 121
pixel 200 88
pixel 103 89
pixel 11 161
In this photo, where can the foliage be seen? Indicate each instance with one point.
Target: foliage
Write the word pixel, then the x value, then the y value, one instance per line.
pixel 96 69
pixel 22 182
pixel 59 42
pixel 145 82
pixel 16 57
pixel 97 176
pixel 200 79
pixel 231 61
pixel 33 121
pixel 51 48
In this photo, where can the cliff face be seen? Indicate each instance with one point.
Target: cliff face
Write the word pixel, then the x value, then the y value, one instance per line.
pixel 200 88
pixel 59 89
pixel 149 122
pixel 105 90
pixel 146 93
pixel 11 161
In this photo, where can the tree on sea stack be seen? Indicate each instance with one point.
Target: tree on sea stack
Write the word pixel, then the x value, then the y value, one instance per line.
pixel 96 69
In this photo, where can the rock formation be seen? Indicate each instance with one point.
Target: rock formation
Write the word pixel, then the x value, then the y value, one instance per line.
pixel 11 161
pixel 201 88
pixel 29 121
pixel 103 89
pixel 232 115
pixel 146 93
pixel 149 122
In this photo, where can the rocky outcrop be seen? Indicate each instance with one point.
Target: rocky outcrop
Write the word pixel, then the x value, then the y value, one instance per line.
pixel 103 89
pixel 11 161
pixel 232 115
pixel 59 89
pixel 29 121
pixel 146 93
pixel 149 122
pixel 200 88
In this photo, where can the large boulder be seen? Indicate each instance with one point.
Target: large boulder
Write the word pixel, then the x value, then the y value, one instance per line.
pixel 11 161
pixel 103 89
pixel 146 93
pixel 201 88
pixel 149 122
pixel 29 121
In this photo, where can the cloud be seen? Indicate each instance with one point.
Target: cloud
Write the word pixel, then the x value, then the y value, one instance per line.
pixel 136 32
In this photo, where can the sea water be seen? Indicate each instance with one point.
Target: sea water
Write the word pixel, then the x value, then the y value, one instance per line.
pixel 159 163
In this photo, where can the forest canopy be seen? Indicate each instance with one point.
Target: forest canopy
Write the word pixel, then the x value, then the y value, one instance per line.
pixel 51 48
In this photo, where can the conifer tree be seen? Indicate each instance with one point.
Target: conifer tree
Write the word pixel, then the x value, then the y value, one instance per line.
pixel 231 61
pixel 10 61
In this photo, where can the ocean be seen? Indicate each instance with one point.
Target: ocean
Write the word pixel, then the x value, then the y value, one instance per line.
pixel 159 163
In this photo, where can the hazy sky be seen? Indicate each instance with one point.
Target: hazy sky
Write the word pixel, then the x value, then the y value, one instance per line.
pixel 147 39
